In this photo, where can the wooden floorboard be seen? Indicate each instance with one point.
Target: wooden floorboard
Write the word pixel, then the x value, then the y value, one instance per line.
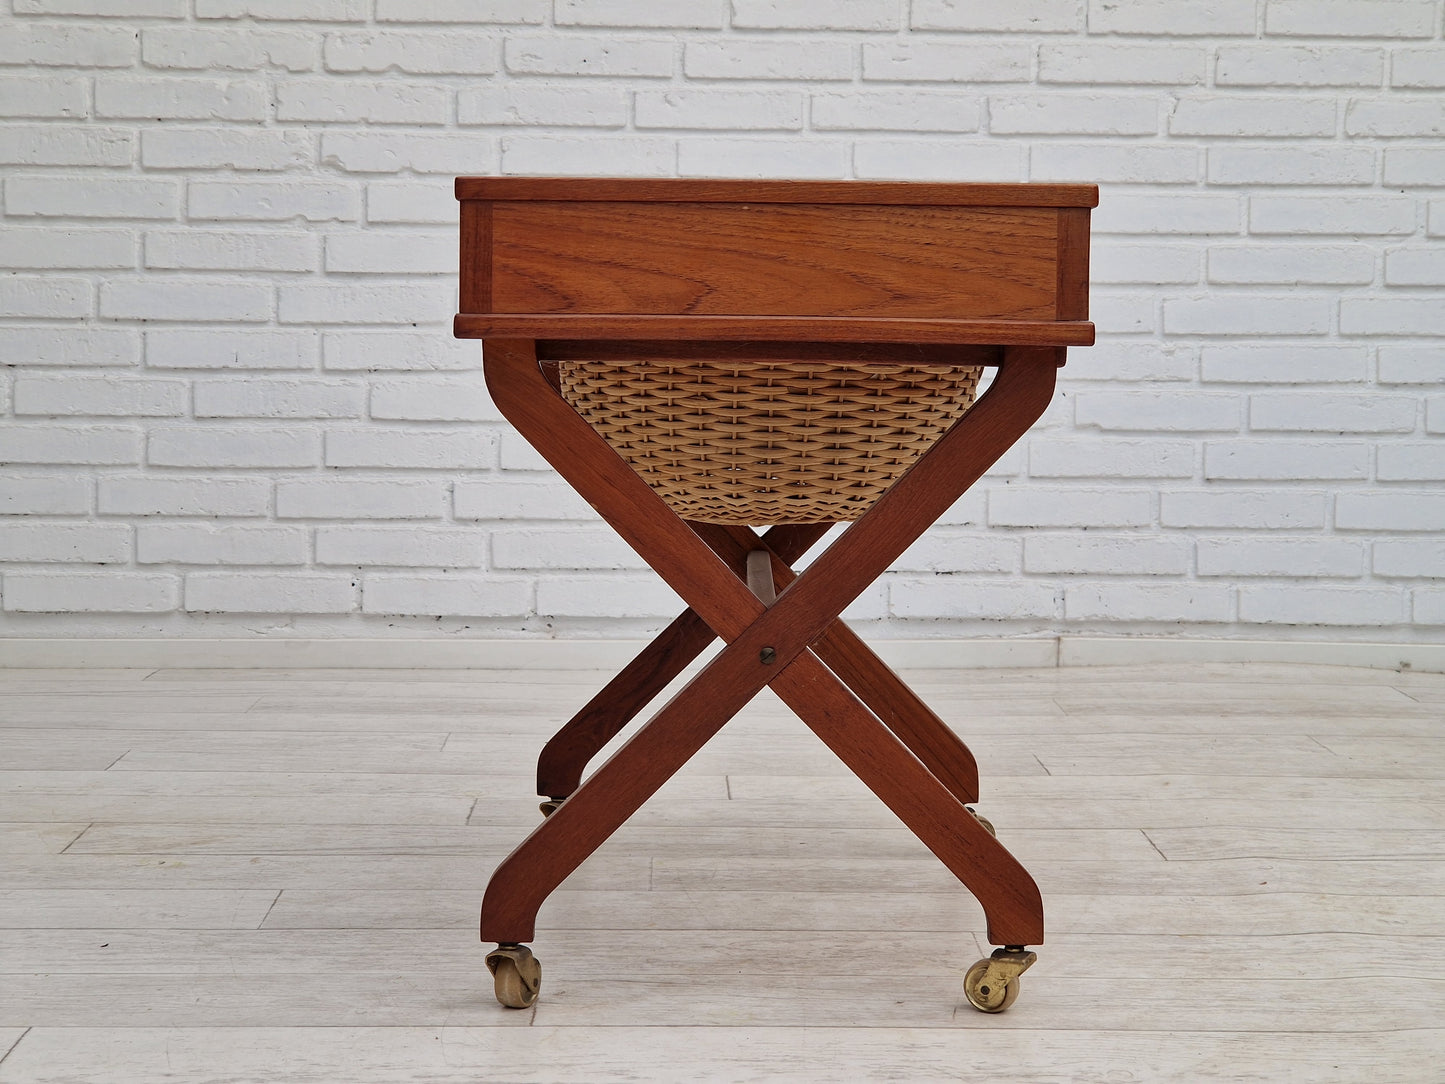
pixel 233 875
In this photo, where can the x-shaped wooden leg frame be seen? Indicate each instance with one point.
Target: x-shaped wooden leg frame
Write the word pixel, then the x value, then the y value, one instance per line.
pixel 775 645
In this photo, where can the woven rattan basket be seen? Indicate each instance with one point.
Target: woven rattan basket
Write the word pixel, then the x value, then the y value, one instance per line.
pixel 765 442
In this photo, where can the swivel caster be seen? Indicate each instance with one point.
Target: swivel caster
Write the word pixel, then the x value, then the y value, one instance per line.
pixel 987 824
pixel 992 985
pixel 551 806
pixel 518 975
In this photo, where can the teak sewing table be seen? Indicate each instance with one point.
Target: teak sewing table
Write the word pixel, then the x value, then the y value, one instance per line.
pixel 836 285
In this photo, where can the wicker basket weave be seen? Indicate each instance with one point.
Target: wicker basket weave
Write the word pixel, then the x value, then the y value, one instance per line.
pixel 765 442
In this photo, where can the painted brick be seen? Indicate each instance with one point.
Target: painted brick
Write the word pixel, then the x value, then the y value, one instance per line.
pixel 181 98
pixel 318 10
pixel 177 299
pixel 714 156
pixel 1162 411
pixel 44 495
pixel 910 110
pixel 101 445
pixel 1246 314
pixel 1175 603
pixel 350 351
pixel 204 544
pixel 1411 462
pixel 944 550
pixel 507 499
pixel 1396 117
pixel 1253 115
pixel 90 592
pixel 1106 555
pixel 91 197
pixel 1067 114
pixel 1392 316
pixel 1299 66
pixel 68 45
pixel 626 156
pixel 1414 165
pixel 684 14
pixel 1283 461
pixel 267 593
pixel 1415 267
pixel 1043 506
pixel 356 498
pixel 415 53
pixel 1418 69
pixel 225 148
pixel 708 108
pixel 1428 606
pixel 39 297
pixel 1068 457
pixel 409 448
pixel 1291 265
pixel 1124 314
pixel 69 346
pixel 215 250
pixel 938 160
pixel 1335 412
pixel 145 9
pixel 1395 511
pixel 433 401
pixel 1284 363
pixel 1326 164
pixel 462 11
pixel 100 396
pixel 1250 510
pixel 1409 558
pixel 251 49
pixel 1101 62
pixel 1295 605
pixel 218 348
pixel 1206 214
pixel 1150 265
pixel 599 56
pixel 373 152
pixel 422 203
pixel 273 201
pixel 1354 215
pixel 1351 18
pixel 396 252
pixel 151 495
pixel 1163 17
pixel 942 62
pixel 586 549
pixel 1128 362
pixel 391 102
pixel 1412 365
pixel 361 304
pixel 250 397
pixel 606 596
pixel 571 105
pixel 61 145
pixel 1028 16
pixel 214 446
pixel 515 454
pixel 446 596
pixel 965 597
pixel 1123 163
pixel 48 97
pixel 1291 556
pixel 92 543
pixel 438 547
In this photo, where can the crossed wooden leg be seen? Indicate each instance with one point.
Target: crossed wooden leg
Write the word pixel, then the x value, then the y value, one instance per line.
pixel 766 645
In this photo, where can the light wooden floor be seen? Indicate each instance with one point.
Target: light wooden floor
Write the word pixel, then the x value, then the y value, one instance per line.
pixel 273 876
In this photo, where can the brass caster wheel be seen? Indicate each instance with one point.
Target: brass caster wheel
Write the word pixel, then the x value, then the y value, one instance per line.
pixel 518 975
pixel 992 985
pixel 550 806
pixel 987 824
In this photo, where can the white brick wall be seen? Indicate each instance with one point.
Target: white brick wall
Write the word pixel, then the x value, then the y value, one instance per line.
pixel 228 259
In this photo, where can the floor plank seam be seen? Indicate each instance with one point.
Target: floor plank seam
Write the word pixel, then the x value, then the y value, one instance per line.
pixel 11 1048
